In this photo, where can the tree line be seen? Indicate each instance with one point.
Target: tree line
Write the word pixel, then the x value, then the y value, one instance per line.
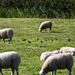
pixel 37 8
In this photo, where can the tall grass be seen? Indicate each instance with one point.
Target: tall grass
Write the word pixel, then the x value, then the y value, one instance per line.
pixel 26 29
pixel 41 12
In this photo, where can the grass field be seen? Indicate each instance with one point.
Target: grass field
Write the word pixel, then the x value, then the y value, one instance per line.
pixel 25 31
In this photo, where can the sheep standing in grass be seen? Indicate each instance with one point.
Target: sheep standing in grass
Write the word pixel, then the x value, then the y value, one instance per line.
pixel 58 61
pixel 70 50
pixel 44 25
pixel 6 33
pixel 9 60
pixel 45 55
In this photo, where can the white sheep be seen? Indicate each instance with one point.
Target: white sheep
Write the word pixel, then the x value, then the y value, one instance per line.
pixel 44 25
pixel 58 61
pixel 6 33
pixel 45 55
pixel 70 50
pixel 9 60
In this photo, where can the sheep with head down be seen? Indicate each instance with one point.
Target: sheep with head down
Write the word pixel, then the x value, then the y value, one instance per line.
pixel 58 61
pixel 45 55
pixel 6 33
pixel 45 25
pixel 9 60
pixel 70 50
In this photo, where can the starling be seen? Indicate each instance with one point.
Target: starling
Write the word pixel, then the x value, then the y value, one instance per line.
pixel 37 39
pixel 51 39
pixel 55 39
pixel 45 40
pixel 29 41
pixel 24 40
pixel 41 41
pixel 69 39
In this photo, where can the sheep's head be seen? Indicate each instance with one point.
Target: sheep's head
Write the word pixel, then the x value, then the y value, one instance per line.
pixel 40 30
pixel 73 53
pixel 42 72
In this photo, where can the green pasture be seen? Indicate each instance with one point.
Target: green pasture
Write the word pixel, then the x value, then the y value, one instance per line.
pixel 29 43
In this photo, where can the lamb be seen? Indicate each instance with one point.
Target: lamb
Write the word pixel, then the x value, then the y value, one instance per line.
pixel 45 55
pixel 58 61
pixel 70 50
pixel 44 25
pixel 6 33
pixel 9 60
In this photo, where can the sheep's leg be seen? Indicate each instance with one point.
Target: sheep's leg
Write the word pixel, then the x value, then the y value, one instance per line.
pixel 50 30
pixel 10 40
pixel 17 72
pixel 52 73
pixel 1 72
pixel 55 72
pixel 4 40
pixel 69 72
pixel 12 72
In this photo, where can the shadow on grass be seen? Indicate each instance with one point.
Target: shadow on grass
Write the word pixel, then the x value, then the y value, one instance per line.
pixel 53 32
pixel 57 32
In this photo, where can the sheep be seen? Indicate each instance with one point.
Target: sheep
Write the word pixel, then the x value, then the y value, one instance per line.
pixel 6 33
pixel 44 25
pixel 9 60
pixel 45 55
pixel 70 50
pixel 58 61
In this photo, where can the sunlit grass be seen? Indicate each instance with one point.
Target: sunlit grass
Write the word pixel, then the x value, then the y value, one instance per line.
pixel 26 29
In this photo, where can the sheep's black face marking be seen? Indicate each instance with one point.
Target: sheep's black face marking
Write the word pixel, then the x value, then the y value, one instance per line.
pixel 40 30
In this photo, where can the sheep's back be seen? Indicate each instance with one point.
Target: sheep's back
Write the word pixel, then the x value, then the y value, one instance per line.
pixel 7 59
pixel 45 24
pixel 45 55
pixel 59 61
pixel 66 49
pixel 6 33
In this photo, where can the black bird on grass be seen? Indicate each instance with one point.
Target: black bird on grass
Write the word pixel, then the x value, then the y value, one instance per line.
pixel 55 39
pixel 69 39
pixel 29 41
pixel 52 40
pixel 37 39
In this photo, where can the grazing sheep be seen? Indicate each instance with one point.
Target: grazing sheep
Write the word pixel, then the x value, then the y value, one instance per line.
pixel 6 33
pixel 9 60
pixel 44 25
pixel 58 61
pixel 70 50
pixel 45 55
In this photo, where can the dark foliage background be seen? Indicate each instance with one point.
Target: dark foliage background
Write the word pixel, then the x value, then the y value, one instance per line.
pixel 37 8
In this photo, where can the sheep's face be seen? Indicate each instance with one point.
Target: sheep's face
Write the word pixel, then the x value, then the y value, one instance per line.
pixel 73 53
pixel 42 72
pixel 40 30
